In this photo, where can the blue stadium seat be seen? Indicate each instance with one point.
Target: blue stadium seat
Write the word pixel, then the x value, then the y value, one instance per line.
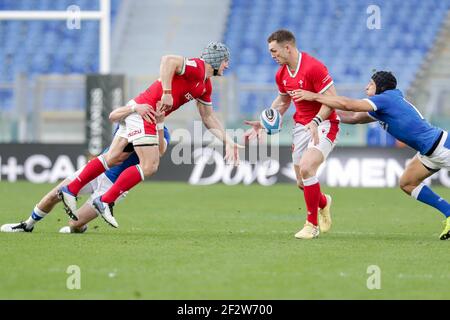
pixel 37 47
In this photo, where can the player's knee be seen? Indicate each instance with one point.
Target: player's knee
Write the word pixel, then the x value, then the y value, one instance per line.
pixel 307 171
pixel 407 186
pixel 149 168
pixel 113 160
pixel 122 157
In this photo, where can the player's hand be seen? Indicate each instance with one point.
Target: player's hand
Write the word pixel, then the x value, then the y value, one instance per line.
pixel 312 127
pixel 254 131
pixel 146 112
pixel 232 153
pixel 159 114
pixel 300 95
pixel 167 102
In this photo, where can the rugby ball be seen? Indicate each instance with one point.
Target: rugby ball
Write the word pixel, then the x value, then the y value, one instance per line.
pixel 271 120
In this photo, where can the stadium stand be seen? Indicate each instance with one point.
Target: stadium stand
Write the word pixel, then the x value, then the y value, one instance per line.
pixel 37 47
pixel 179 28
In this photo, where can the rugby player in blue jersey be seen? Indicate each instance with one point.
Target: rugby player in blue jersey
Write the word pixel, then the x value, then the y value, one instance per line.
pixel 403 121
pixel 95 188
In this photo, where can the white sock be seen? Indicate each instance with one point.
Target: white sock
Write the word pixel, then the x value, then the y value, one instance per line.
pixel 35 216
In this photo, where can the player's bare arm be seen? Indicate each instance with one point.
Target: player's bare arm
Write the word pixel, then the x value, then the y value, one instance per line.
pixel 323 114
pixel 213 124
pixel 169 65
pixel 160 116
pixel 325 110
pixel 337 102
pixel 144 110
pixel 350 117
pixel 281 103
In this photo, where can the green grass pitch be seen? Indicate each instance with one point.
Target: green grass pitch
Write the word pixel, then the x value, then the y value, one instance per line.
pixel 177 241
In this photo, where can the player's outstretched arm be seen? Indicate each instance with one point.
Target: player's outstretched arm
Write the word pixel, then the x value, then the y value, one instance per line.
pixel 160 116
pixel 213 124
pixel 337 102
pixel 281 103
pixel 349 117
pixel 325 110
pixel 324 113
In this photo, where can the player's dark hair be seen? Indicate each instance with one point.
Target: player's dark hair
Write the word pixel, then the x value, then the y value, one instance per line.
pixel 281 36
pixel 384 80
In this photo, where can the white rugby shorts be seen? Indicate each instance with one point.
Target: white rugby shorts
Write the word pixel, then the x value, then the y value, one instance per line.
pixel 440 158
pixel 134 130
pixel 301 139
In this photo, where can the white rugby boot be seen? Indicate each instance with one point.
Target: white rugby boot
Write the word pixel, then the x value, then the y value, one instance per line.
pixel 105 210
pixel 308 232
pixel 325 216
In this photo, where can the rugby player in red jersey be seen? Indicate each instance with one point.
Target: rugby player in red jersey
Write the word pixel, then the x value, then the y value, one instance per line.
pixel 316 125
pixel 181 80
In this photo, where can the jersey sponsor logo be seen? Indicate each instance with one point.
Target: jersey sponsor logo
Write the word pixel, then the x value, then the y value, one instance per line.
pixel 383 125
pixel 134 132
pixel 300 83
pixel 284 83
pixel 189 96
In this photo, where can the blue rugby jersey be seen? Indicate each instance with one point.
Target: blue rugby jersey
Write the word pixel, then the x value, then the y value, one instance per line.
pixel 403 121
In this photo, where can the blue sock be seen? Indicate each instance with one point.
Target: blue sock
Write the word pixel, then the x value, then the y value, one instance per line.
pixel 424 194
